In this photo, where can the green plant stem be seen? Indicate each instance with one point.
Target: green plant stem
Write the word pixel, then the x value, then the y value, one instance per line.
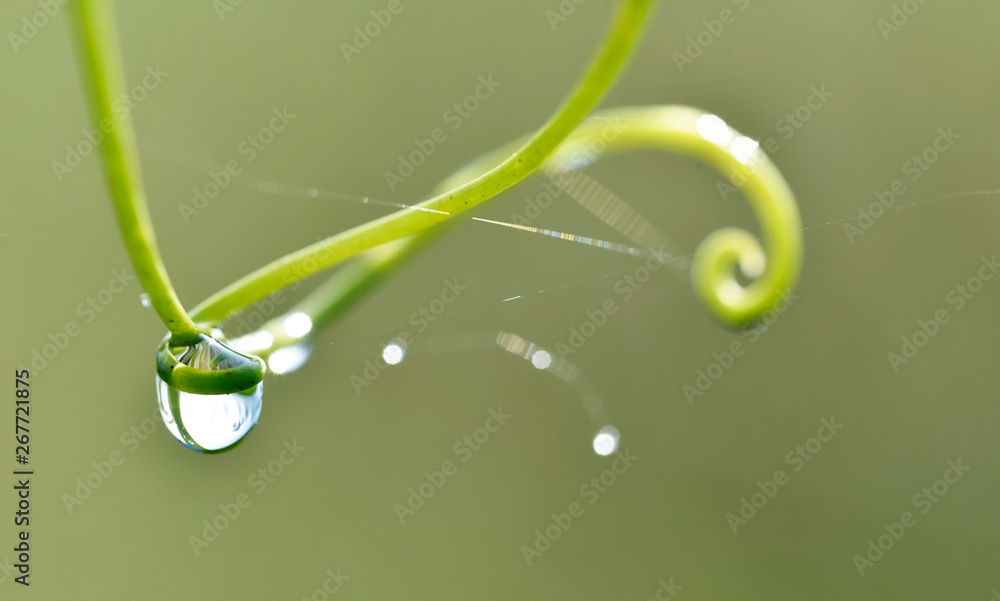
pixel 774 267
pixel 600 74
pixel 671 128
pixel 105 83
pixel 345 288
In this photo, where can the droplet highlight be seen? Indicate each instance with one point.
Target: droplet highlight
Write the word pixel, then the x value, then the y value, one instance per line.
pixel 394 352
pixel 289 359
pixel 606 441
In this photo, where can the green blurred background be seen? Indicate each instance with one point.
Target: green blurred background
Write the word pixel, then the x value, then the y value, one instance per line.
pixel 332 507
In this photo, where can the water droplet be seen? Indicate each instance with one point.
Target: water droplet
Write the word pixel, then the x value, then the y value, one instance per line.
pixel 714 130
pixel 394 352
pixel 289 359
pixel 297 325
pixel 208 422
pixel 144 299
pixel 606 441
pixel 744 149
pixel 541 359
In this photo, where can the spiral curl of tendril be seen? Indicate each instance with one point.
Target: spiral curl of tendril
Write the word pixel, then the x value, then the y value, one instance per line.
pixel 684 130
pixel 774 268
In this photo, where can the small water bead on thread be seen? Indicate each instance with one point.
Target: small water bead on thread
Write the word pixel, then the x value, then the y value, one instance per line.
pixel 744 149
pixel 297 325
pixel 394 352
pixel 288 359
pixel 606 441
pixel 541 359
pixel 209 423
pixel 714 129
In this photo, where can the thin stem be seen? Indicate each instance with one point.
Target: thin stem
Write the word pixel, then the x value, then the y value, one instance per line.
pixel 600 74
pixel 104 83
pixel 705 137
pixel 339 292
pixel 613 131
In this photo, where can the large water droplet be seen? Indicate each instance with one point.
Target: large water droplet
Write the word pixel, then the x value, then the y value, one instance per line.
pixel 208 422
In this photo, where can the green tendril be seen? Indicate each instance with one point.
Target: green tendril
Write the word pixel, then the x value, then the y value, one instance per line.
pixel 567 141
pixel 613 131
pixel 104 82
pixel 231 371
pixel 98 41
pixel 694 133
pixel 599 76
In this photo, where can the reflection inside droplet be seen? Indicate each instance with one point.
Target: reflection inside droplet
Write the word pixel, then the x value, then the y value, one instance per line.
pixel 541 359
pixel 714 129
pixel 209 422
pixel 394 352
pixel 606 441
pixel 297 325
pixel 145 300
pixel 289 359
